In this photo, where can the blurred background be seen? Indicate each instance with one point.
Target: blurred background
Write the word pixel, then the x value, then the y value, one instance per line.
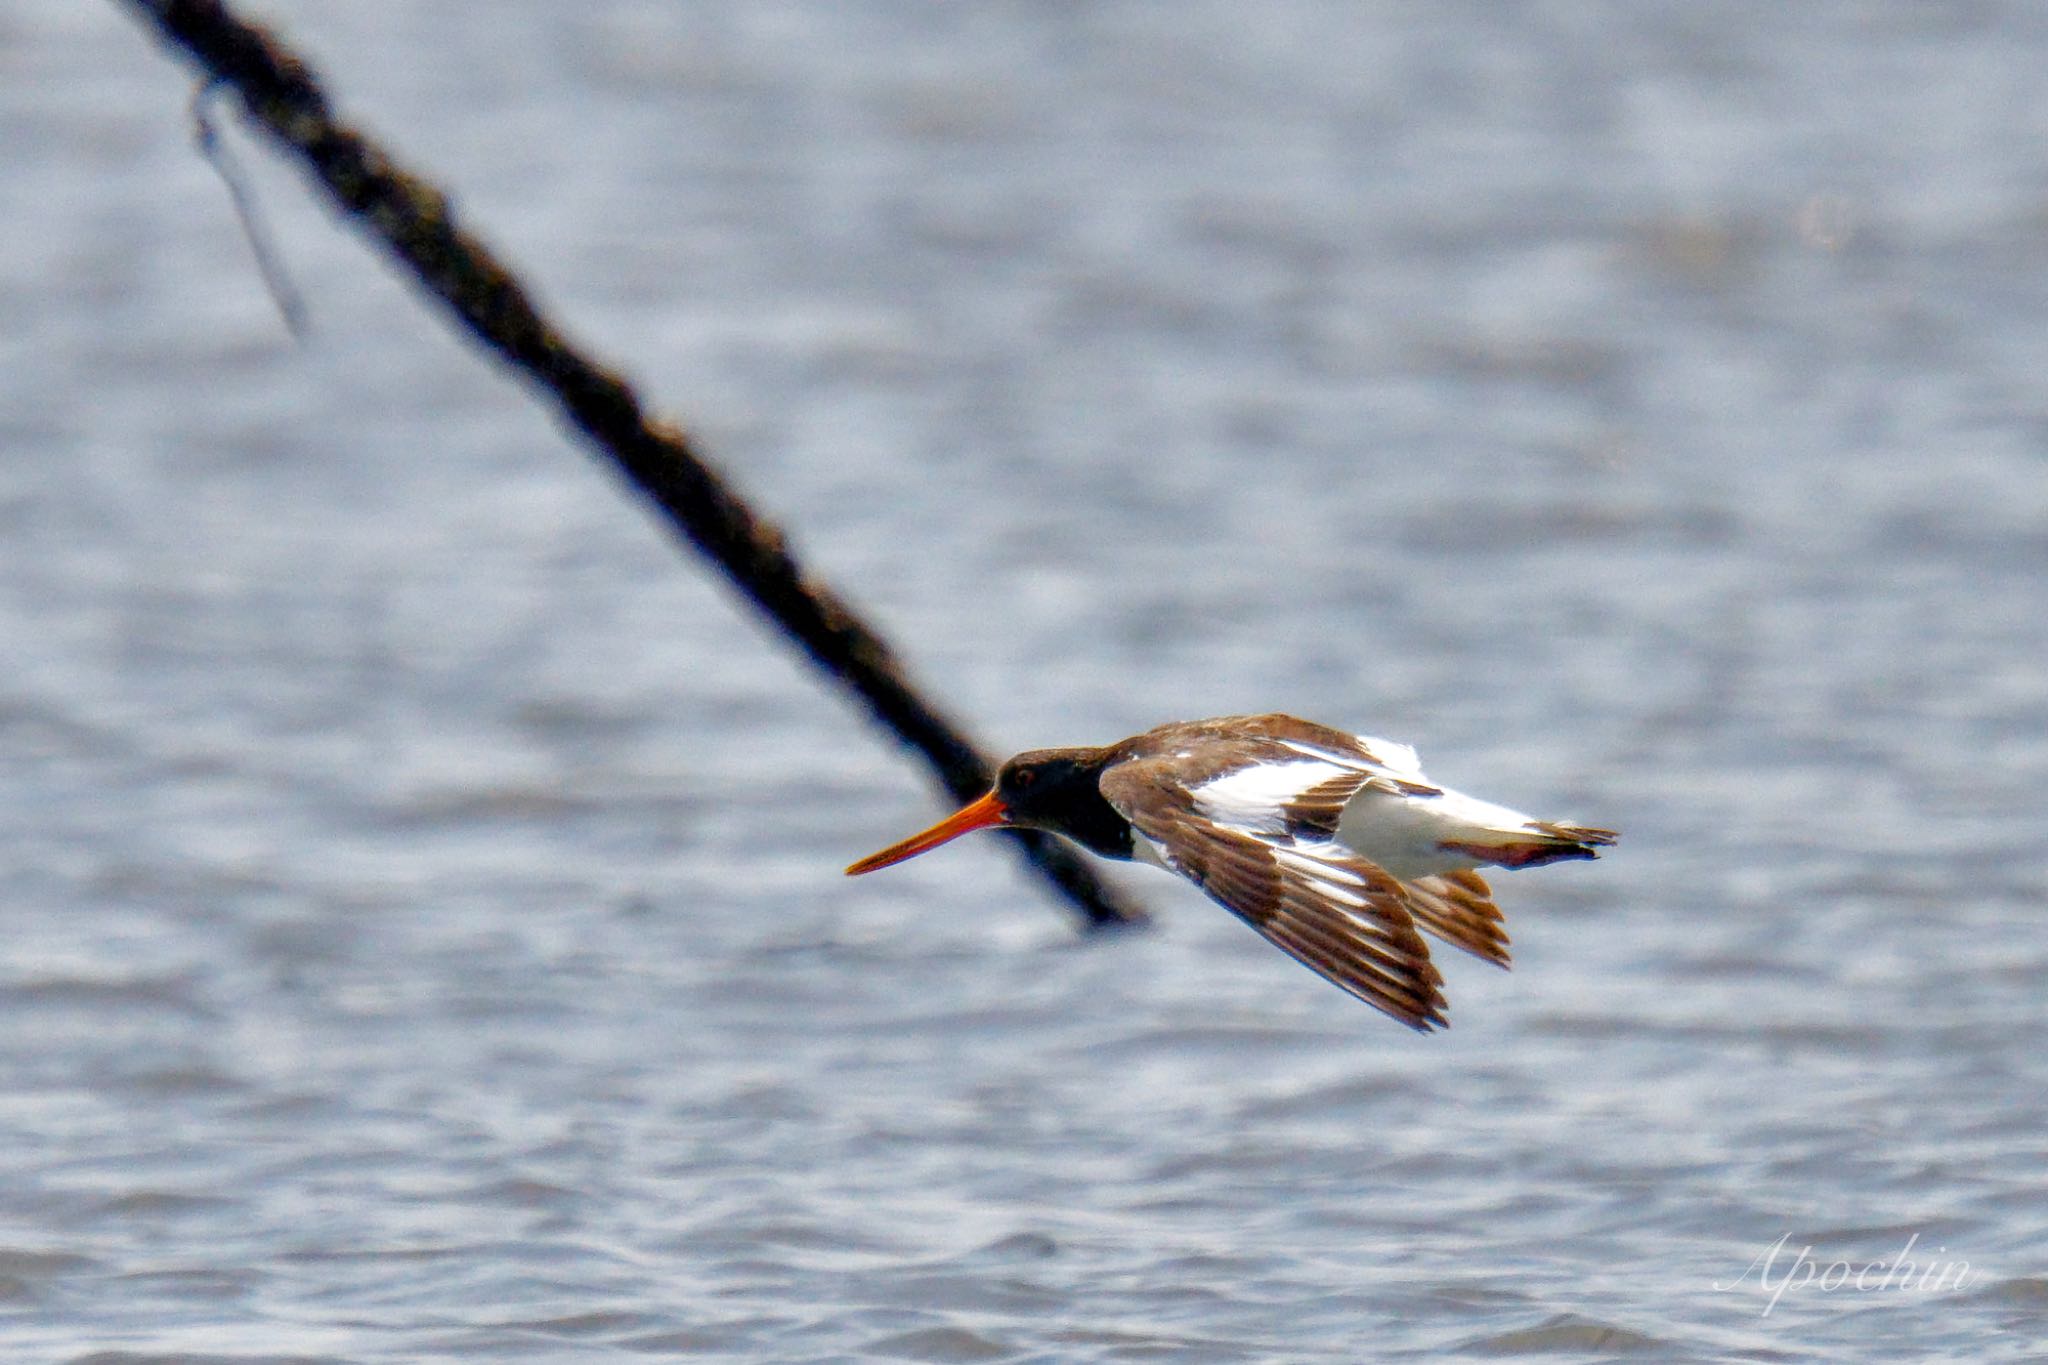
pixel 424 929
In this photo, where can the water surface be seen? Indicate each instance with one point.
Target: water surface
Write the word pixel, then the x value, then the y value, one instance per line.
pixel 424 936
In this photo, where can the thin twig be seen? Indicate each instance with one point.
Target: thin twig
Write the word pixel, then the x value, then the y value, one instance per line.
pixel 291 304
pixel 413 220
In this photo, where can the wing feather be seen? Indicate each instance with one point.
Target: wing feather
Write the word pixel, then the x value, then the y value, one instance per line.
pixel 1458 908
pixel 1329 909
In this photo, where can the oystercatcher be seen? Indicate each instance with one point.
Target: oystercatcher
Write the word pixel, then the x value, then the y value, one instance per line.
pixel 1334 846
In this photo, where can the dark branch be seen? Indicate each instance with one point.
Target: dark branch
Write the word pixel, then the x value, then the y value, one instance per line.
pixel 413 219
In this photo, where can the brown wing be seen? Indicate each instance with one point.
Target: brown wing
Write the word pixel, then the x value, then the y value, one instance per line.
pixel 1458 908
pixel 1329 909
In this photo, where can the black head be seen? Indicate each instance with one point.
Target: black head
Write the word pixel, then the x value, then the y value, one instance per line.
pixel 1050 789
pixel 1060 790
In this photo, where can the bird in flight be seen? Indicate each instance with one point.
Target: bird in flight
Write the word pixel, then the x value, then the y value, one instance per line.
pixel 1333 846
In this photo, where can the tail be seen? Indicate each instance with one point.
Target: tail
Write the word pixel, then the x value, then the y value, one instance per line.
pixel 1537 843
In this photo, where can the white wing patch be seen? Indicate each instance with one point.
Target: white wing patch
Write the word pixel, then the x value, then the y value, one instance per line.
pixel 1387 756
pixel 1254 798
pixel 1330 880
pixel 1397 758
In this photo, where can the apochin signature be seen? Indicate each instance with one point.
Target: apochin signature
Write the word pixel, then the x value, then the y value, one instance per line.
pixel 1802 1271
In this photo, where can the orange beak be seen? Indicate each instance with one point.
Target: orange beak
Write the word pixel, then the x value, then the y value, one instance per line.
pixel 982 814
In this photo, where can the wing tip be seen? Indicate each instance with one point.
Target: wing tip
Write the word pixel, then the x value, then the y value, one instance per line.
pixel 1458 908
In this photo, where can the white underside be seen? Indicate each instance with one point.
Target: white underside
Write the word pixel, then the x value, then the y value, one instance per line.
pixel 1406 834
